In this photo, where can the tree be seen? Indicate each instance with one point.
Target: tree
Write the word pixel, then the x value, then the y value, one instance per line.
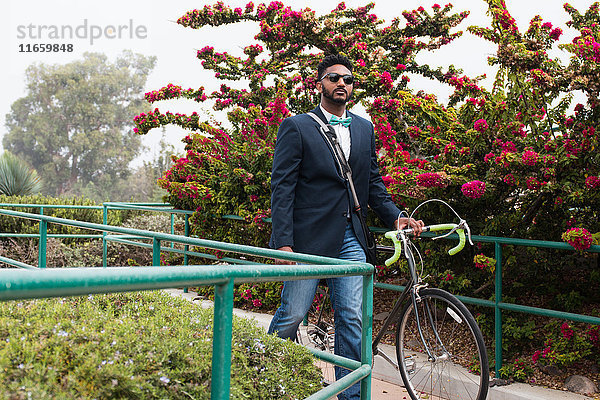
pixel 139 185
pixel 16 177
pixel 513 158
pixel 73 123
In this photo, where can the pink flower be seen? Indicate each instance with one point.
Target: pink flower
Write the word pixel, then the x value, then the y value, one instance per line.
pixel 533 184
pixel 480 125
pixel 536 356
pixel 431 179
pixel 566 331
pixel 401 67
pixel 509 146
pixel 509 179
pixel 555 34
pixel 483 262
pixel 529 157
pixel 473 189
pixel 580 238
pixel 592 182
pixel 256 303
pixel 386 80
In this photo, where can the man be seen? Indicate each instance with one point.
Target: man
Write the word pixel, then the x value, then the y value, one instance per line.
pixel 312 212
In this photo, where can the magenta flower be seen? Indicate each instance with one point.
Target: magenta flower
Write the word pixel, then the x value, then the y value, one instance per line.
pixel 481 125
pixel 509 179
pixel 483 262
pixel 533 184
pixel 430 179
pixel 592 182
pixel 580 238
pixel 566 331
pixel 529 157
pixel 555 34
pixel 473 189
pixel 509 146
pixel 386 80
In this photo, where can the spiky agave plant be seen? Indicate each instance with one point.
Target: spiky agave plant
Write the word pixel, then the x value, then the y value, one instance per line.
pixel 16 177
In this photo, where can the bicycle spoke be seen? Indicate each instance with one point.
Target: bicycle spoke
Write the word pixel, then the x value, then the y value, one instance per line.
pixel 450 336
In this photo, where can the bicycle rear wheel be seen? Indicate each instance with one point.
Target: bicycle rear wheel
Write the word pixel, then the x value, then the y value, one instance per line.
pixel 458 369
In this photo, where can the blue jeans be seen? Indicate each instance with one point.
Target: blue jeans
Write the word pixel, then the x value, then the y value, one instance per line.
pixel 346 299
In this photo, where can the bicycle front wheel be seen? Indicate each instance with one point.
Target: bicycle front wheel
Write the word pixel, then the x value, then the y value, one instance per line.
pixel 446 358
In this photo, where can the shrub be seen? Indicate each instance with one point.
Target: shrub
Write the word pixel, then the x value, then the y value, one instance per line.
pixel 138 346
pixel 88 252
pixel 16 177
pixel 20 225
pixel 565 345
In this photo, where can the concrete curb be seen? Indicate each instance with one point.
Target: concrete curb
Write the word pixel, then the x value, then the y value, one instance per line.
pixel 383 371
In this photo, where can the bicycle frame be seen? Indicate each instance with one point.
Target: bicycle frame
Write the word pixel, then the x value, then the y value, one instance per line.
pixel 412 289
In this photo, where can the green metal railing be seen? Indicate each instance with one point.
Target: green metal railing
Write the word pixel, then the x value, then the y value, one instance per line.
pixel 26 284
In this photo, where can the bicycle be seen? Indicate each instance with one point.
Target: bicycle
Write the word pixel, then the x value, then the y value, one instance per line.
pixel 439 347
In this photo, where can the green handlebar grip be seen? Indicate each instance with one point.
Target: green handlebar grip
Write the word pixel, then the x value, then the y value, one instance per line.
pixel 460 232
pixel 397 249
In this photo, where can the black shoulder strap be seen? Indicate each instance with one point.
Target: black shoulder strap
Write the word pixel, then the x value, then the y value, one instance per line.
pixel 331 138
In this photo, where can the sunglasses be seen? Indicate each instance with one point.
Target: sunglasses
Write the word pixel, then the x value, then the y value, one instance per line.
pixel 334 77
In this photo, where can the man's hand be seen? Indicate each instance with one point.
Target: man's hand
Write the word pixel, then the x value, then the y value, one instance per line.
pixel 416 225
pixel 285 262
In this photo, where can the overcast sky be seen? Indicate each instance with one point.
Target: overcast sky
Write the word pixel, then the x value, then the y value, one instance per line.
pixel 151 30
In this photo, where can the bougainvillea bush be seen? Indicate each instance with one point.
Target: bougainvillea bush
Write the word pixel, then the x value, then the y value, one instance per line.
pixel 517 157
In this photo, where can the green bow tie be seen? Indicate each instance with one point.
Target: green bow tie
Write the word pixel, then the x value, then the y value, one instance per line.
pixel 337 120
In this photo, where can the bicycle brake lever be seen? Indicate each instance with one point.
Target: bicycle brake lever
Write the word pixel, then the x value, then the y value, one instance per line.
pixel 450 232
pixel 463 224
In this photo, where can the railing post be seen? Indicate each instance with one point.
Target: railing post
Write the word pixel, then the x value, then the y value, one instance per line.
pixel 104 241
pixel 187 234
pixel 172 228
pixel 42 244
pixel 222 335
pixel 186 247
pixel 156 252
pixel 367 334
pixel 498 311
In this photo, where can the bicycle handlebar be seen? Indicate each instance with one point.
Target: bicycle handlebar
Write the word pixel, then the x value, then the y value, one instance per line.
pixel 394 236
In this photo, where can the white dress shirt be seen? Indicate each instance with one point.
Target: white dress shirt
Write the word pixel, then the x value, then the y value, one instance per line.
pixel 343 133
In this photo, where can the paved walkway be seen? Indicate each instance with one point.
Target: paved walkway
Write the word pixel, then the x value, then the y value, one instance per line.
pixel 386 382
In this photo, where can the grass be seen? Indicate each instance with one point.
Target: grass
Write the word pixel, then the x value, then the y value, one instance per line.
pixel 143 345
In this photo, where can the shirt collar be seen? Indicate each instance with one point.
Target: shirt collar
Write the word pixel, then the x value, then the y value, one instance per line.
pixel 328 114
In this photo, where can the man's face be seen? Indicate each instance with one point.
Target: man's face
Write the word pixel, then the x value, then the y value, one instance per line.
pixel 338 92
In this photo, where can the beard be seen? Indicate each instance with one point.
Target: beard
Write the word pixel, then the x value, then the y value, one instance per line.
pixel 338 100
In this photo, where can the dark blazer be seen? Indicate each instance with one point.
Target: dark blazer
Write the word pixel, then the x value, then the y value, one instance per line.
pixel 309 197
